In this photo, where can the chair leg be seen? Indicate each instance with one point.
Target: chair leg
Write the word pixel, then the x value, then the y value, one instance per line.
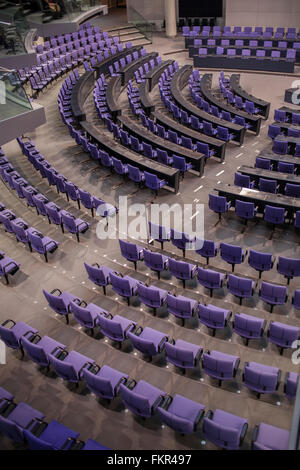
pixel 162 245
pixel 67 319
pixel 214 332
pixel 183 282
pixel 154 311
pixel 207 260
pixel 62 228
pixel 220 383
pixel 247 341
pixel 232 267
pixel 104 290
pixel 77 236
pixel 182 322
pixel 128 301
pixel 46 256
pixel 272 306
pixel 258 396
pixel 78 203
pixel 6 278
pixel 211 292
pixel 135 265
pixel 158 274
pixel 241 300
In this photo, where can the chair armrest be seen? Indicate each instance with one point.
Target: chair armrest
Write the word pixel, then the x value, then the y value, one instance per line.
pixel 166 402
pixel 243 433
pixel 278 379
pixel 254 435
pixel 56 290
pixel 58 348
pixel 198 419
pixel 90 364
pixel 122 380
pixel 131 384
pixel 236 367
pixel 157 402
pixel 96 264
pixel 128 328
pixel 138 331
pixel 8 264
pixel 209 414
pixel 68 441
pixel 8 321
pixel 82 302
pixel 162 343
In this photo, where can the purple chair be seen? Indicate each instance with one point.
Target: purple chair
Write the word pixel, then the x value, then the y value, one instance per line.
pixel 232 254
pixel 263 163
pixel 224 429
pixel 12 335
pixel 141 398
pixel 260 261
pixel 153 182
pixel 284 167
pixel 209 250
pixel 273 294
pixel 248 326
pixel 125 286
pixel 182 307
pixel 274 215
pixel 218 204
pixel 148 341
pixel 182 270
pixel 70 365
pixel 180 413
pixel 16 419
pixel 245 210
pixel 60 301
pixel 283 335
pixel 261 378
pixel 52 436
pixel 267 437
pixel 87 314
pixel 183 354
pixel 74 225
pixel 131 252
pixel 243 181
pixel 296 299
pixel 181 240
pixel 220 366
pixel 291 384
pixel 41 243
pixel 7 266
pixel 152 296
pixel 213 317
pixel 280 147
pixel 210 279
pixel 156 261
pixel 116 328
pixel 240 287
pixel 158 233
pixel 104 381
pixel 38 349
pixel 99 275
pixel 288 267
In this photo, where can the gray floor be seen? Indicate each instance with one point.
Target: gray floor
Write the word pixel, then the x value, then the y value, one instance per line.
pixel 23 299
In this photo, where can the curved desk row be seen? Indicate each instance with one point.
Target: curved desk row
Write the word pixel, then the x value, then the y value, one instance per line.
pixel 195 158
pixel 256 173
pixel 103 67
pixel 80 91
pixel 171 175
pixel 127 72
pixel 212 50
pixel 146 87
pixel 263 106
pixel 244 63
pixel 178 82
pixel 206 82
pixel 289 111
pixel 153 76
pixel 218 146
pixel 275 159
pixel 259 198
pixel 260 41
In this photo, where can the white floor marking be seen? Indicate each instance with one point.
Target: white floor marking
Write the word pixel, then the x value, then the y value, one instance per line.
pixel 220 172
pixel 197 189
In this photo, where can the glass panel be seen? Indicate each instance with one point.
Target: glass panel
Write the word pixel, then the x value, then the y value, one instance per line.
pixel 140 23
pixel 13 98
pixel 72 7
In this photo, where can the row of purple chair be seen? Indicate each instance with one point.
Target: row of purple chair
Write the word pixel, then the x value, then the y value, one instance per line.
pixel 64 186
pixel 25 425
pixel 282 116
pixel 236 101
pixel 257 32
pixel 247 211
pixel 281 146
pixel 143 399
pixel 275 130
pixel 267 185
pixel 283 167
pixel 253 43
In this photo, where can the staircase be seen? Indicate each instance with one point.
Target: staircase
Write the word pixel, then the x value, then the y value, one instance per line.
pixel 129 34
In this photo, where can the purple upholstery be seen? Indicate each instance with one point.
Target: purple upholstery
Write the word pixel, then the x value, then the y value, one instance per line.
pixel 12 335
pixel 283 335
pixel 181 414
pixel 182 270
pixel 104 382
pixel 183 354
pixel 152 296
pixel 148 341
pixel 60 301
pixel 99 275
pixel 219 365
pixel 240 287
pixel 267 437
pixel 210 279
pixel 131 252
pixel 291 384
pixel 232 254
pixel 70 367
pixel 125 286
pixel 213 317
pixel 39 351
pixel 260 261
pixel 248 326
pixel 225 429
pixel 261 378
pixel 116 328
pixel 273 294
pixel 143 399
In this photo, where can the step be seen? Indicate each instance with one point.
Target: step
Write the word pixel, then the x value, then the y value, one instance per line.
pixel 119 28
pixel 132 37
pixel 141 42
pixel 126 32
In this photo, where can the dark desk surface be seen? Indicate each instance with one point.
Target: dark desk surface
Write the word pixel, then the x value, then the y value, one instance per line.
pixel 179 80
pixel 214 144
pixel 292 141
pixel 197 159
pixel 127 72
pixel 206 81
pixel 103 67
pixel 242 63
pixel 79 93
pixel 275 158
pixel 113 91
pixel 154 74
pixel 145 99
pixel 290 111
pixel 257 173
pixel 284 126
pixel 263 106
pixel 260 198
pixel 171 175
pixel 147 86
pixel 212 50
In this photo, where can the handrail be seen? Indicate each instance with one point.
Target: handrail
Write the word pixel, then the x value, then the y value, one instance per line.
pixel 140 23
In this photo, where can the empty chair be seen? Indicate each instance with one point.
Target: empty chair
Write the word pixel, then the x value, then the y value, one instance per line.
pixel 209 250
pixel 74 225
pixel 11 333
pixel 141 398
pixel 131 252
pixel 69 365
pixel 7 267
pixel 181 164
pixel 248 326
pixel 288 267
pixel 135 174
pixel 284 167
pixel 267 185
pixel 182 270
pixel 153 182
pixel 159 233
pixel 224 134
pixel 267 437
pixel 213 317
pixel 181 240
pixel 280 147
pixel 125 286
pixel 273 294
pixel 181 307
pixel 52 436
pixel 60 301
pixel 274 215
pixel 232 254
pixel 41 243
pixel 38 349
pixel 261 378
pixel 99 275
pixel 293 132
pixel 210 279
pixel 291 384
pixel 263 163
pixel 208 129
pixel 156 261
pixel 180 413
pixel 280 115
pixel 292 190
pixel 152 296
pixel 273 131
pixel 16 419
pixel 183 354
pixel 220 366
pixel 148 341
pixel 218 204
pixel 260 261
pixel 224 429
pixel 116 328
pixel 87 314
pixel 240 287
pixel 245 210
pixel 104 381
pixel 283 335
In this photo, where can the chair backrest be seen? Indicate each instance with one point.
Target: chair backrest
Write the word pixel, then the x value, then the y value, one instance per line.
pixel 135 402
pixel 119 284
